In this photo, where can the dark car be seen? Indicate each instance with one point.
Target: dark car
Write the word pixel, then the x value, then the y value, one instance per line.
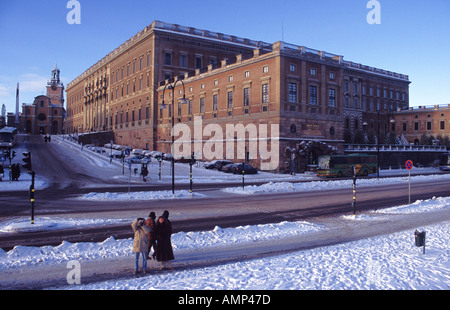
pixel 237 169
pixel 221 163
pixel 211 165
pixel 228 168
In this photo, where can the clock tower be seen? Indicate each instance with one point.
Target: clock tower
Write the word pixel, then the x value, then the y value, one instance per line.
pixel 55 89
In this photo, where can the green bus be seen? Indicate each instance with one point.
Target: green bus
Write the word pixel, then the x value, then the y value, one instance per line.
pixel 342 165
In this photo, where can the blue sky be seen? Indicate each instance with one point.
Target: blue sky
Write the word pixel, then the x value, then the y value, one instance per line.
pixel 413 37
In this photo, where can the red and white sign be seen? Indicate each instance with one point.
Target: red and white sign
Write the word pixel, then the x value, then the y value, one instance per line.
pixel 409 164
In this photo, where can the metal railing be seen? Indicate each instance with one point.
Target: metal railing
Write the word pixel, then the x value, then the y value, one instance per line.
pixel 390 148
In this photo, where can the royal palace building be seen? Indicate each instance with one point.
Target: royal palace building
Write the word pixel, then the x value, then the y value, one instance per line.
pixel 308 101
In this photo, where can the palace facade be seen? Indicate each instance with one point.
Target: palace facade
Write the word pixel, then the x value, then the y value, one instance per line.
pixel 311 101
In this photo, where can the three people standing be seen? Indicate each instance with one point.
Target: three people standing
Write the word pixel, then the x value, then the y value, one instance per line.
pixel 148 234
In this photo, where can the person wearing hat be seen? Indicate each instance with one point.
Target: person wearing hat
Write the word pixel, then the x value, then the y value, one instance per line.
pixel 150 222
pixel 164 252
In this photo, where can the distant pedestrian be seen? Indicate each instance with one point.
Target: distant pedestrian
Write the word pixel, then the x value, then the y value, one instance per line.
pixel 2 171
pixel 164 252
pixel 12 172
pixel 140 243
pixel 151 224
pixel 144 172
pixel 15 172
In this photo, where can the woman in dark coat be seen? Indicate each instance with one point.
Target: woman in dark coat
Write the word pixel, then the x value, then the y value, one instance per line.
pixel 163 231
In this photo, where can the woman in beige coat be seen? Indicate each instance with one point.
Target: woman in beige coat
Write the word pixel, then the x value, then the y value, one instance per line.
pixel 140 243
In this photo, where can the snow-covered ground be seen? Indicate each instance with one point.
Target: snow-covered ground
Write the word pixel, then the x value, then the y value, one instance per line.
pixel 383 262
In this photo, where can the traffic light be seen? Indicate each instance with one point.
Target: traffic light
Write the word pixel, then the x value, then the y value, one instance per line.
pixel 27 160
pixel 10 154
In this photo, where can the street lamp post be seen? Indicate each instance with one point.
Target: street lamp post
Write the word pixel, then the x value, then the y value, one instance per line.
pixel 391 121
pixel 378 144
pixel 163 106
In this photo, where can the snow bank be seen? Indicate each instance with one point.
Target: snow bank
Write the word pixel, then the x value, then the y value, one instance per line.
pixel 420 206
pixel 23 184
pixel 21 255
pixel 328 185
pixel 22 225
pixel 150 195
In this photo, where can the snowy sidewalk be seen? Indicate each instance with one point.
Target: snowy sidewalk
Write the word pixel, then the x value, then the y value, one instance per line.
pixel 322 232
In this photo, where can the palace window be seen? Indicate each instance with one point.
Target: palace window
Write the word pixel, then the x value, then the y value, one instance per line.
pixel 198 62
pixel 292 92
pixel 246 96
pixel 183 60
pixel 313 94
pixel 230 100
pixel 332 97
pixel 265 93
pixel 190 107
pixel 202 105
pixel 215 102
pixel 168 58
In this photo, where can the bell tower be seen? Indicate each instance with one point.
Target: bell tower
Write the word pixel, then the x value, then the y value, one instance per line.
pixel 55 89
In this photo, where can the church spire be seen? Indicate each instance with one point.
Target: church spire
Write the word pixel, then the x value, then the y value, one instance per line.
pixel 55 75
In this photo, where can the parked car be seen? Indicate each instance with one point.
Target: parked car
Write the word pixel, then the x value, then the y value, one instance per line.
pixel 248 169
pixel 115 154
pixel 136 159
pixel 221 163
pixel 211 165
pixel 99 149
pixel 227 168
pixel 155 153
pixel 137 152
pixel 166 156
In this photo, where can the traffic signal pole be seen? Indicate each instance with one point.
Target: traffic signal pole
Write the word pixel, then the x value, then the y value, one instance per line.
pixel 32 196
pixel 28 166
pixel 354 191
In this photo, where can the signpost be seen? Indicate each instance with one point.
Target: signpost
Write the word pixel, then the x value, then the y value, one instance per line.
pixel 409 165
pixel 354 190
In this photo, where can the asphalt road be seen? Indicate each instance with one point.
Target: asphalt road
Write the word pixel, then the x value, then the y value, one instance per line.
pixel 187 215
